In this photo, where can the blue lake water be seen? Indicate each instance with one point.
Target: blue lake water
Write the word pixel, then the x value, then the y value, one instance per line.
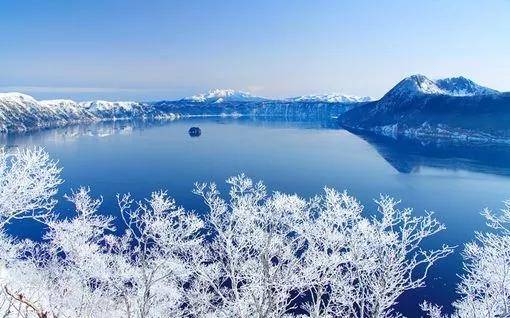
pixel 455 181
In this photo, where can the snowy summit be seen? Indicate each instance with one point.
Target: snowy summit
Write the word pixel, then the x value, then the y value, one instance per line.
pixel 224 95
pixel 461 86
pixel 413 85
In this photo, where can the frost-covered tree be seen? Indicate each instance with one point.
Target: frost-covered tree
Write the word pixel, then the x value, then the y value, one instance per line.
pixel 358 267
pixel 251 265
pixel 252 255
pixel 159 236
pixel 28 183
pixel 485 283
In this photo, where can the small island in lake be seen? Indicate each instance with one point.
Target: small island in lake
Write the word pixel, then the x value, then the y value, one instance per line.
pixel 194 132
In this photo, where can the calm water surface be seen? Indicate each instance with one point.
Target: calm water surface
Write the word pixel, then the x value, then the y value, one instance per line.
pixel 452 180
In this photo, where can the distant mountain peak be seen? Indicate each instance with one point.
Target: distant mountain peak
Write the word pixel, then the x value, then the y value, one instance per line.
pixel 224 95
pixel 331 98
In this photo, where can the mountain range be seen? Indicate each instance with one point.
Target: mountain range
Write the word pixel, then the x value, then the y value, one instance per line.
pixel 417 107
pixel 21 112
pixel 230 95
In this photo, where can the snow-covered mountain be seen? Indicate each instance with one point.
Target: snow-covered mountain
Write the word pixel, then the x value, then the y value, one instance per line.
pixel 420 84
pixel 224 95
pixel 448 108
pixel 331 98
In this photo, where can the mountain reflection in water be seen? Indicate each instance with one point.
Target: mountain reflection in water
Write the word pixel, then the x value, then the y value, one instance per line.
pixel 409 156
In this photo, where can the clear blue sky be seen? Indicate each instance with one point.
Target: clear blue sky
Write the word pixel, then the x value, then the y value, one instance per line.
pixel 148 50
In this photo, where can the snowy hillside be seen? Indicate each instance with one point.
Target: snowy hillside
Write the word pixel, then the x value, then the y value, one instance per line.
pixel 20 112
pixel 23 112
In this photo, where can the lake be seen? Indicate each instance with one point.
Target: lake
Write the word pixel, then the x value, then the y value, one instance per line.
pixel 453 180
